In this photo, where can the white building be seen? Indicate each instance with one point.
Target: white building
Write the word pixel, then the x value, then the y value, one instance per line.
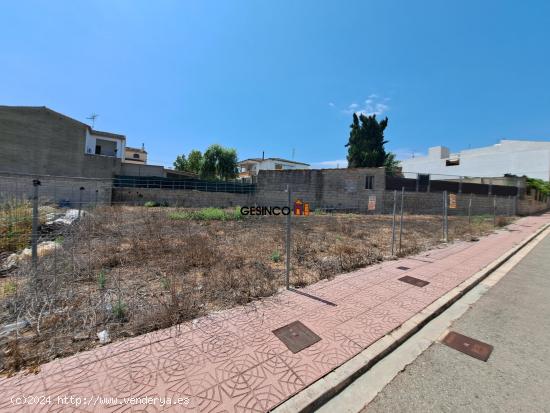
pixel 251 167
pixel 105 143
pixel 530 158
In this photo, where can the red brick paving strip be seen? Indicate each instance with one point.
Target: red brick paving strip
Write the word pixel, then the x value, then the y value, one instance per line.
pixel 231 361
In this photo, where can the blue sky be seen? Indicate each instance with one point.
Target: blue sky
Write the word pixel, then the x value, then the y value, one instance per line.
pixel 282 75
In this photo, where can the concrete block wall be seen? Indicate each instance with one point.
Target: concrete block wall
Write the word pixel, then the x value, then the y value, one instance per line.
pixel 529 205
pixel 332 189
pixel 56 190
pixel 432 203
pixel 130 169
pixel 180 197
pixel 36 140
pixel 336 189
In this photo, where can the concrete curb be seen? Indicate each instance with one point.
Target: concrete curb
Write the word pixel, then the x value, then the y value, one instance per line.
pixel 318 393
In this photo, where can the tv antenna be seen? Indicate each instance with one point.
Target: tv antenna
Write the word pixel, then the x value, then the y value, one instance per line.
pixel 93 117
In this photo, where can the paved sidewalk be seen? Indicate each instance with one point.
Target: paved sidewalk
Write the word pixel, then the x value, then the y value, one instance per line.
pixel 512 317
pixel 231 361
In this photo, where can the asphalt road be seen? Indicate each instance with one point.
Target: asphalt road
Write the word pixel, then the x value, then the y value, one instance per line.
pixel 513 316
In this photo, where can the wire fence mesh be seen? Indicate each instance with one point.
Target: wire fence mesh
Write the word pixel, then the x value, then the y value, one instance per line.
pixel 76 262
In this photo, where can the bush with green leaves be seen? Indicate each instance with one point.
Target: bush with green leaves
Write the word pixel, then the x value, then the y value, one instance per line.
pixel 9 288
pixel 119 310
pixel 541 186
pixel 101 280
pixel 165 283
pixel 276 256
pixel 208 214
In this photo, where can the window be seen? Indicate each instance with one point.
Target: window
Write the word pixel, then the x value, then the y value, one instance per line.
pixel 136 155
pixel 452 162
pixel 278 166
pixel 369 182
pixel 98 149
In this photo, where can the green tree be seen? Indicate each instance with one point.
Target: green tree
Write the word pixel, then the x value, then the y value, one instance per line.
pixel 366 142
pixel 181 164
pixel 219 163
pixel 194 161
pixel 391 163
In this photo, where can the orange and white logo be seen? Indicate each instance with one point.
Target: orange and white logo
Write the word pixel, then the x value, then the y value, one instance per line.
pixel 301 208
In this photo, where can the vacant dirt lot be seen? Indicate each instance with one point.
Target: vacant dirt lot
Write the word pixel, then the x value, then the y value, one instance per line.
pixel 129 270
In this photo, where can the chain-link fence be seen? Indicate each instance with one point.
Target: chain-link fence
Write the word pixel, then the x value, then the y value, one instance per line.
pixel 84 261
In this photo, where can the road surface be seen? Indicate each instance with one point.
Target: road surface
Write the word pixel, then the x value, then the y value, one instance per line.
pixel 514 316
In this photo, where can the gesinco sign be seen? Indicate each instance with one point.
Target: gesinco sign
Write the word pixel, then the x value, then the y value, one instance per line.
pixel 300 208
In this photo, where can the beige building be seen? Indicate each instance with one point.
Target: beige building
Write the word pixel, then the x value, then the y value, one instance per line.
pixel 135 155
pixel 251 167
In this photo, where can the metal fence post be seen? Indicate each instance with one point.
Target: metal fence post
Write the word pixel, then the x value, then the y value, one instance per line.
pixel 401 220
pixel 80 200
pixel 470 210
pixel 445 218
pixel 494 211
pixel 393 223
pixel 288 239
pixel 34 236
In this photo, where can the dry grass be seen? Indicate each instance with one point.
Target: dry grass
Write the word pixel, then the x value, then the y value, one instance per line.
pixel 132 270
pixel 15 225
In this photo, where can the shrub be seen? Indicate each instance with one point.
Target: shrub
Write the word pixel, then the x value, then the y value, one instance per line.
pixel 165 283
pixel 15 225
pixel 502 221
pixel 119 310
pixel 151 204
pixel 208 214
pixel 101 280
pixel 276 256
pixel 9 288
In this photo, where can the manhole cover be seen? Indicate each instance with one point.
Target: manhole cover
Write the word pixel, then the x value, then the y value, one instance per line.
pixel 468 345
pixel 403 268
pixel 296 336
pixel 414 281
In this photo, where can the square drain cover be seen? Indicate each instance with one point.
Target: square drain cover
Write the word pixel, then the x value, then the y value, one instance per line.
pixel 296 336
pixel 468 345
pixel 403 268
pixel 414 281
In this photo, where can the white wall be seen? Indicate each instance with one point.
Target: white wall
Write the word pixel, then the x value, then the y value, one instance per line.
pixel 269 164
pixel 529 158
pixel 91 142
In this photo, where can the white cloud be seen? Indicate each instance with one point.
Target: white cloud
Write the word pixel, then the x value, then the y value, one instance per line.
pixel 331 104
pixel 373 105
pixel 338 163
